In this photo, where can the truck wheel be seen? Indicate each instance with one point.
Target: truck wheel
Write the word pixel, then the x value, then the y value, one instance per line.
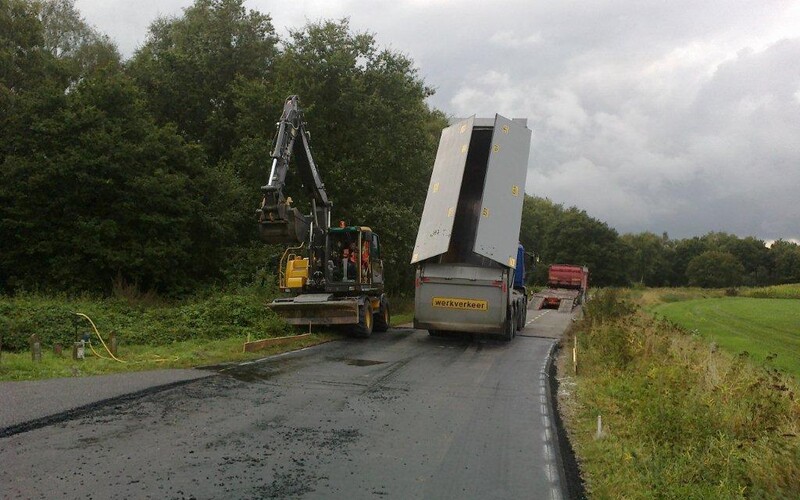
pixel 365 320
pixel 382 317
pixel 508 328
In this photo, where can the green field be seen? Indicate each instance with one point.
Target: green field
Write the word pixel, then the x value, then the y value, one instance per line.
pixel 762 327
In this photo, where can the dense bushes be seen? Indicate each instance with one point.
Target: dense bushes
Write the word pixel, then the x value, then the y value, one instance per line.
pixel 219 316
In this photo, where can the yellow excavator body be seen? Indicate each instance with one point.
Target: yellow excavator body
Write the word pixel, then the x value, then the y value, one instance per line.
pixel 296 272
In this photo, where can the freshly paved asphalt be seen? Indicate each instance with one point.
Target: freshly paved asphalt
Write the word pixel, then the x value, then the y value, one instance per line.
pixel 399 415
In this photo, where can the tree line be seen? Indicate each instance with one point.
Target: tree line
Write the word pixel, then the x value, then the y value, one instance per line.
pixel 147 171
pixel 554 234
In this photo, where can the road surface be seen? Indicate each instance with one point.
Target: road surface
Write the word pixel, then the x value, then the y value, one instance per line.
pixel 398 415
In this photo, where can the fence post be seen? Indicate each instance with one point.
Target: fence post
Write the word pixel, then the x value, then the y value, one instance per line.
pixel 78 350
pixel 112 343
pixel 36 348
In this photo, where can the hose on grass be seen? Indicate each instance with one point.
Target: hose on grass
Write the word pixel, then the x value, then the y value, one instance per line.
pixel 159 359
pixel 101 340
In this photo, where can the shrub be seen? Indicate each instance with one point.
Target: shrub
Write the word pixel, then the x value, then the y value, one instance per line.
pixel 607 305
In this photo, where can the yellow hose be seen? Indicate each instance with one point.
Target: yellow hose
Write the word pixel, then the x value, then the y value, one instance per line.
pixel 101 340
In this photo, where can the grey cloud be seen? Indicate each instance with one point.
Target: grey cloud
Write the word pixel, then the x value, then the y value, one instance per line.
pixel 674 116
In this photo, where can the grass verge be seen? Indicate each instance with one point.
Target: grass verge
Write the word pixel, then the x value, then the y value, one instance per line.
pixel 402 310
pixel 679 420
pixel 183 354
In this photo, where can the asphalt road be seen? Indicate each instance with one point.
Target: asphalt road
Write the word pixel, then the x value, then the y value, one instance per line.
pixel 399 415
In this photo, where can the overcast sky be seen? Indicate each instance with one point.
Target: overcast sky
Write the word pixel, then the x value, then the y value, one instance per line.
pixel 679 116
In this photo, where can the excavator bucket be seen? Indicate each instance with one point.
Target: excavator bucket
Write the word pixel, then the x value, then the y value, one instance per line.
pixel 316 309
pixel 291 228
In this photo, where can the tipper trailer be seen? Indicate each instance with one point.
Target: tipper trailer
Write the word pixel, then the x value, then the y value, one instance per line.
pixel 470 268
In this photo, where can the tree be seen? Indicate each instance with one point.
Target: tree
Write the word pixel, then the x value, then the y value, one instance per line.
pixel 373 133
pixel 373 136
pixel 714 269
pixel 754 256
pixel 649 258
pixel 570 236
pixel 92 189
pixel 785 257
pixel 24 62
pixel 684 251
pixel 191 65
pixel 68 37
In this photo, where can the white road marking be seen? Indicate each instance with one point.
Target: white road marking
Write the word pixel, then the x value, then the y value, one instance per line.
pixel 538 316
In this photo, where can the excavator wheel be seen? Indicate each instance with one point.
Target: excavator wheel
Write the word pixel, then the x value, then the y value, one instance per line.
pixel 382 316
pixel 366 320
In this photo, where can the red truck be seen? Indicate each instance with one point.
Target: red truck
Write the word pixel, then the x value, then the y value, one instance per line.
pixel 567 287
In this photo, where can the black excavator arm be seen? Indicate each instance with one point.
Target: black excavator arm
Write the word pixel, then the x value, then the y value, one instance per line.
pixel 279 222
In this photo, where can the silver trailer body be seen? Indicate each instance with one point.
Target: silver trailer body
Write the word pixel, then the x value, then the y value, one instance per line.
pixel 457 297
pixel 466 247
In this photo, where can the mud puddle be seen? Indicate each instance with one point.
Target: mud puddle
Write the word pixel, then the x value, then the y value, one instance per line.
pixel 358 362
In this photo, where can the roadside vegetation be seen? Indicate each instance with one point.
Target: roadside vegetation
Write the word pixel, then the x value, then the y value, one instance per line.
pixel 790 291
pixel 680 418
pixel 152 332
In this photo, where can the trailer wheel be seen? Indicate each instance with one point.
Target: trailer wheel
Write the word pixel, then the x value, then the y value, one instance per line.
pixel 365 320
pixel 509 329
pixel 383 316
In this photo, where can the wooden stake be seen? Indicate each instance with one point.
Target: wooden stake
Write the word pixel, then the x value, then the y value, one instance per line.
pixel 36 348
pixel 112 343
pixel 575 356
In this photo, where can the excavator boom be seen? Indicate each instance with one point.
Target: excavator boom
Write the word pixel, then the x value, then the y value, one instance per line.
pixel 279 222
pixel 336 275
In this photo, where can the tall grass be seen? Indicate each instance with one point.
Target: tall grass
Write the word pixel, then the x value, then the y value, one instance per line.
pixel 681 419
pixel 773 292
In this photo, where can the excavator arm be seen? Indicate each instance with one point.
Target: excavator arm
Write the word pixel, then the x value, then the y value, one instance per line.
pixel 279 222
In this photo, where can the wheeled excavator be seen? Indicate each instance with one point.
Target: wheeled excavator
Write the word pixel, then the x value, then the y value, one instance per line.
pixel 330 275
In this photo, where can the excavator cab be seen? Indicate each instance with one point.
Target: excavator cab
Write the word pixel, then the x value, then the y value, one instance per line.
pixel 353 258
